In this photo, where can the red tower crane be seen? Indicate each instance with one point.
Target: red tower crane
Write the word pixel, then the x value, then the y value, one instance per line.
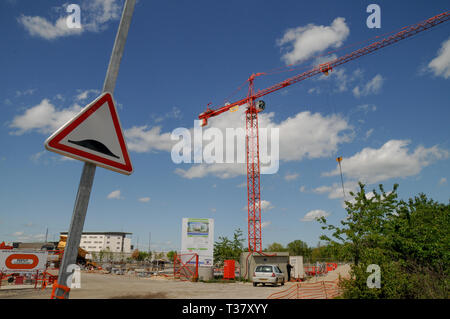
pixel 254 107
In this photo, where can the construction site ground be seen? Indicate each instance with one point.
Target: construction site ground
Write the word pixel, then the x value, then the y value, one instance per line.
pixel 107 286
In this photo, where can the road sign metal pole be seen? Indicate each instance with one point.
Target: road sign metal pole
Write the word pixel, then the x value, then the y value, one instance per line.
pixel 87 176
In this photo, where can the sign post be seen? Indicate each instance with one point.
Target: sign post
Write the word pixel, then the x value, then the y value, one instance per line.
pixel 87 176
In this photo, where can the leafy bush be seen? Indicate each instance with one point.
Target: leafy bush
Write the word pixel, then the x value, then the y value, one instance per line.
pixel 408 240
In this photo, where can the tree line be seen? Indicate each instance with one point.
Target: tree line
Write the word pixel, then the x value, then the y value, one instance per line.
pixel 408 240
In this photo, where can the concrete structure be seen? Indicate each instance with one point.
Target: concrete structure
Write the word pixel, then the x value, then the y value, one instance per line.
pixel 205 273
pixel 249 264
pixel 297 271
pixel 115 242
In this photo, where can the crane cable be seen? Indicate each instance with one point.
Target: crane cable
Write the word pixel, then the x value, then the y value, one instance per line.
pixel 300 66
pixel 296 65
pixel 339 160
pixel 293 66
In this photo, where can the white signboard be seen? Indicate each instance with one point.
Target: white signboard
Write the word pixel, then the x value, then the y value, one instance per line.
pixel 198 237
pixel 22 261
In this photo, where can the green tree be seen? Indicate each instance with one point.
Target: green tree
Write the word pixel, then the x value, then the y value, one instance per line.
pixel 139 255
pixel 299 248
pixel 409 241
pixel 366 219
pixel 276 247
pixel 171 254
pixel 225 248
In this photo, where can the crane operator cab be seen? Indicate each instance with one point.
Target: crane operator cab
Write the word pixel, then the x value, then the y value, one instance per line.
pixel 260 105
pixel 325 68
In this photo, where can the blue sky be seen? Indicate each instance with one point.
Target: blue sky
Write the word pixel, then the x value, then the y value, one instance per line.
pixel 386 114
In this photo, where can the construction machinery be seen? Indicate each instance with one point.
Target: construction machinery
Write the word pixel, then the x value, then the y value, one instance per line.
pixel 81 258
pixel 254 106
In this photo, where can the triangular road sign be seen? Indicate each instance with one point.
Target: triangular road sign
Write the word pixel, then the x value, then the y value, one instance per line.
pixel 95 136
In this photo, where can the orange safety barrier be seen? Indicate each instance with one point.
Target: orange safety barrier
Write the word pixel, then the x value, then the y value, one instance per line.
pixel 182 270
pixel 315 290
pixel 65 288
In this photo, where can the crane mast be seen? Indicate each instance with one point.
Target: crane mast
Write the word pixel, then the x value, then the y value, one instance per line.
pixel 254 107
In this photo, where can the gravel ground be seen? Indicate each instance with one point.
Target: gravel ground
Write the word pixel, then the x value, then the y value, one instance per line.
pixel 105 286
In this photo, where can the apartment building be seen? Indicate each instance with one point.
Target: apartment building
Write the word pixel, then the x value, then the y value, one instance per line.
pixel 115 242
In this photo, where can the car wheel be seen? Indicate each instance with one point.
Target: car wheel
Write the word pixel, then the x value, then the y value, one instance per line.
pixel 282 283
pixel 254 284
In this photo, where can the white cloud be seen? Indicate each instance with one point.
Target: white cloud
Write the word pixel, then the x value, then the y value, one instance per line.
pixel 142 139
pixel 44 118
pixel 18 233
pixel 392 160
pixel 314 90
pixel 369 133
pixel 335 191
pixel 223 171
pixel 266 224
pixel 302 189
pixel 83 95
pixel 41 27
pixel 366 108
pixel 144 199
pixel 95 15
pixel 305 135
pixel 291 177
pixel 314 214
pixel 371 87
pixel 265 206
pixel 35 157
pixel 339 77
pixel 305 42
pixel 114 195
pixel 443 181
pixel 213 210
pixel 440 65
pixel 312 136
pixel 25 92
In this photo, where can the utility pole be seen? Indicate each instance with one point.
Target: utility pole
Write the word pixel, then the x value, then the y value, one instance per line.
pixel 149 241
pixel 88 173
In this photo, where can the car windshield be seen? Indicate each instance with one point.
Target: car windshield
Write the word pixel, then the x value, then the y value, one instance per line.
pixel 264 269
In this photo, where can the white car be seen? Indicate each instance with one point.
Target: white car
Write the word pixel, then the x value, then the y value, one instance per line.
pixel 268 274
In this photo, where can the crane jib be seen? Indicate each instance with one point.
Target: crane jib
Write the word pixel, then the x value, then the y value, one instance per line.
pixel 405 33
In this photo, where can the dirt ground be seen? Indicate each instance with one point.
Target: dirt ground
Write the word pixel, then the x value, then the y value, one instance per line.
pixel 105 286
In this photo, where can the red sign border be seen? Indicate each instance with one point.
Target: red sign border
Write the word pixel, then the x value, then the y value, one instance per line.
pixel 53 142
